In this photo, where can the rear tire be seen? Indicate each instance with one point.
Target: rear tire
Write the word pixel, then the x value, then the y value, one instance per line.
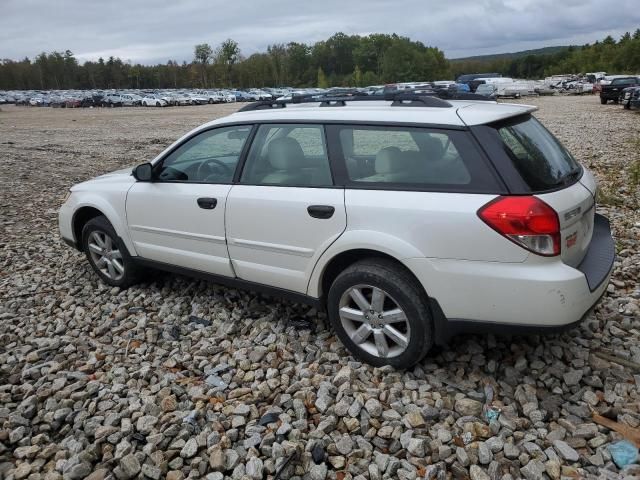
pixel 627 106
pixel 107 254
pixel 603 101
pixel 397 328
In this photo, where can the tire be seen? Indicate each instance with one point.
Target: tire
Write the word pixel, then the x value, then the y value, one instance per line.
pixel 157 104
pixel 603 101
pixel 401 291
pixel 627 106
pixel 123 271
pixel 616 101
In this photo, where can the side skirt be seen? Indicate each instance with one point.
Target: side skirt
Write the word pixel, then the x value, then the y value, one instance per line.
pixel 234 283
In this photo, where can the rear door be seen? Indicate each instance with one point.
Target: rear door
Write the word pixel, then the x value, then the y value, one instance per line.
pixel 286 211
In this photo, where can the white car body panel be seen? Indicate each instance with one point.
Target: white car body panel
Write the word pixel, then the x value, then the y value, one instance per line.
pixel 262 244
pixel 544 292
pixel 106 193
pixel 167 225
pixel 575 206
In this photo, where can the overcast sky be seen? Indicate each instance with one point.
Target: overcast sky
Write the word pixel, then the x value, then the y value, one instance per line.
pixel 152 31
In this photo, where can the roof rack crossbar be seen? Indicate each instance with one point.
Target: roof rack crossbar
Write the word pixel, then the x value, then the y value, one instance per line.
pixel 436 99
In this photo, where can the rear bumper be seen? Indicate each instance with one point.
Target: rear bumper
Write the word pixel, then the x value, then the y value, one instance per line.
pixel 534 296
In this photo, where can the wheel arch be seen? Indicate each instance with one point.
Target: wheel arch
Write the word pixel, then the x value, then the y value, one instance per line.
pixel 346 258
pixel 87 210
pixel 80 218
pixel 354 245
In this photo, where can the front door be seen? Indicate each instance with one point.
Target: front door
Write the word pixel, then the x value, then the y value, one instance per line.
pixel 178 218
pixel 285 212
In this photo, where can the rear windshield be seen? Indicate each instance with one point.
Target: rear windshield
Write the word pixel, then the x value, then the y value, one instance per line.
pixel 540 158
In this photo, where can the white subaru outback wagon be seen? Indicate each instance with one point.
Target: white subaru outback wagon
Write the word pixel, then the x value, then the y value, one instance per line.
pixel 409 220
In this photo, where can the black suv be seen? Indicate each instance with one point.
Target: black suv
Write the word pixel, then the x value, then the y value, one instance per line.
pixel 613 91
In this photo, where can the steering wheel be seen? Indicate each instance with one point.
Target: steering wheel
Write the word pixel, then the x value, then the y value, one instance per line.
pixel 210 170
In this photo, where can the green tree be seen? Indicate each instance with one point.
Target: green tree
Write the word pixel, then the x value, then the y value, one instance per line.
pixel 202 54
pixel 228 54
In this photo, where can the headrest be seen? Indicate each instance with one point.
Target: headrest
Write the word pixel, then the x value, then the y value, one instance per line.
pixel 388 160
pixel 285 153
pixel 430 146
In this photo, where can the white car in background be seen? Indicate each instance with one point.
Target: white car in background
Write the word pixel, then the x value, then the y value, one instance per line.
pixel 408 221
pixel 198 99
pixel 151 100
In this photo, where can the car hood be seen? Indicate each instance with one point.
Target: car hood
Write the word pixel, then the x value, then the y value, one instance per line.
pixel 118 176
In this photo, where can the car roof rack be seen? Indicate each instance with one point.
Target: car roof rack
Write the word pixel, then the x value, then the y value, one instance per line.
pixel 435 99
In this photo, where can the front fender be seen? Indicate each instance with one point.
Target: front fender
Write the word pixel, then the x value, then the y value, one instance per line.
pixel 112 207
pixel 359 240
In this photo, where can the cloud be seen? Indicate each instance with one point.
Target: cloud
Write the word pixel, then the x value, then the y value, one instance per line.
pixel 150 31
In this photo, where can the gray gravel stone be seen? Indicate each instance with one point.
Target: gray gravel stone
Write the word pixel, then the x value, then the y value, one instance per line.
pixel 565 451
pixel 477 473
pixel 468 407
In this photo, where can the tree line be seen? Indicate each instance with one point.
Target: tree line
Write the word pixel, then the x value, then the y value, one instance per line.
pixel 341 60
pixel 608 55
pixel 347 60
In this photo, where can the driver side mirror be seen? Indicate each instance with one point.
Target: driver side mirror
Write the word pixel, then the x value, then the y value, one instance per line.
pixel 143 172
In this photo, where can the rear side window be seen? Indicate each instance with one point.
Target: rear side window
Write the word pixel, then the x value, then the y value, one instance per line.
pixel 288 155
pixel 413 157
pixel 538 156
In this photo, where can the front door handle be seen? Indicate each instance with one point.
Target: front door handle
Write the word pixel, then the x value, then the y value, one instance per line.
pixel 207 203
pixel 321 211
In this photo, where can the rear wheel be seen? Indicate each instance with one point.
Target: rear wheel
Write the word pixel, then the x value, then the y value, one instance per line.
pixel 603 101
pixel 380 314
pixel 107 254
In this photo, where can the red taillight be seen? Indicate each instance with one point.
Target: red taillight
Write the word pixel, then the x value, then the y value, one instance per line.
pixel 527 221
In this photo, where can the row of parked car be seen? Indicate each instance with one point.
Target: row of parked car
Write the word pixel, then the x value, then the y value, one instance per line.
pixel 145 98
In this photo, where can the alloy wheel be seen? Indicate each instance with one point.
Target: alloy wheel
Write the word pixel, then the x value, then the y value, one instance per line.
pixel 374 321
pixel 105 255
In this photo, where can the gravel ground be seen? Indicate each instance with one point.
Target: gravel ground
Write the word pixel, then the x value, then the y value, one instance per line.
pixel 177 378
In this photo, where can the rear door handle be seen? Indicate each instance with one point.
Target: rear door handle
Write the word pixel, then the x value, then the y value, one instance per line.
pixel 207 203
pixel 321 211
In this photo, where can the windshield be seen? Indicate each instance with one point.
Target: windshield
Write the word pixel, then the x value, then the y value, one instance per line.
pixel 619 81
pixel 539 157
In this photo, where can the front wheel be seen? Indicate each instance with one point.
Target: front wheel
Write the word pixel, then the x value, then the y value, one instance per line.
pixel 107 255
pixel 380 313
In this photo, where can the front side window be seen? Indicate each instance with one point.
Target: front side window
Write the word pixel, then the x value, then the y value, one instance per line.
pixel 209 157
pixel 540 158
pixel 411 156
pixel 288 155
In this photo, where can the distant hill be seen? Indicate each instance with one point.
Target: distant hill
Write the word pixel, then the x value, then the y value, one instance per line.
pixel 511 55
